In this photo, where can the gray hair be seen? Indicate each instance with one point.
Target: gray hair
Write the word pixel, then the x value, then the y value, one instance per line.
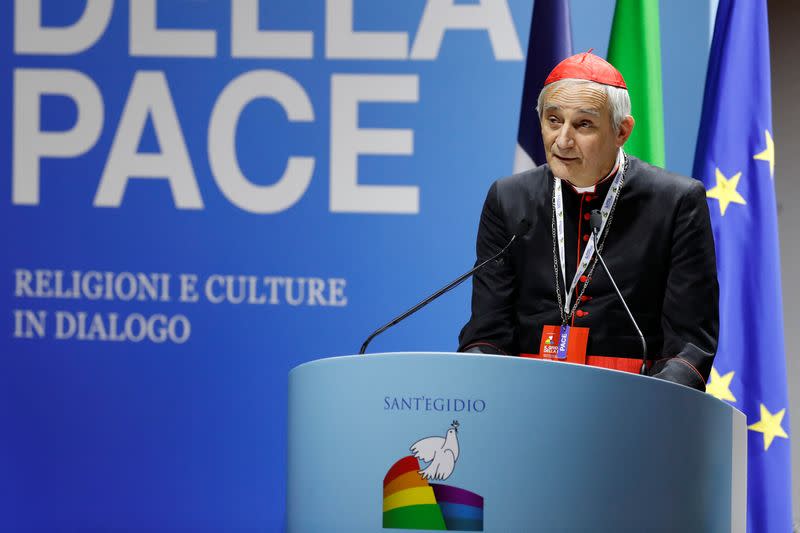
pixel 619 102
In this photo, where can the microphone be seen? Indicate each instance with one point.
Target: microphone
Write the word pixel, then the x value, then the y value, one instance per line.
pixel 595 222
pixel 523 228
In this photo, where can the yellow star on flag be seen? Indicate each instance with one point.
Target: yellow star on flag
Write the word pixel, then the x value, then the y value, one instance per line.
pixel 725 191
pixel 720 386
pixel 768 154
pixel 769 425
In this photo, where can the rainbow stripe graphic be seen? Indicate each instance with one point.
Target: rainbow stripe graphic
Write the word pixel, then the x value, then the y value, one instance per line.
pixel 410 502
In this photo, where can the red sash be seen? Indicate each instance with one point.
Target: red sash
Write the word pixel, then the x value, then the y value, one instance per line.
pixel 625 364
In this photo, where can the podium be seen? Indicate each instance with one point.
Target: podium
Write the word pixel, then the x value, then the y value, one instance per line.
pixel 507 444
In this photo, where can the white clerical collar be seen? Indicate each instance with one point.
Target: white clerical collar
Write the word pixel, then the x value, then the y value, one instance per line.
pixel 581 190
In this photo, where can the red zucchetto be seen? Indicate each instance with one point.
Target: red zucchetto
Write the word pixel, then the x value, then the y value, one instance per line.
pixel 587 66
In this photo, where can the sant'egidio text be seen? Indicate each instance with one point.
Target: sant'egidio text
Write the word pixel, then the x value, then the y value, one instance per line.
pixel 426 403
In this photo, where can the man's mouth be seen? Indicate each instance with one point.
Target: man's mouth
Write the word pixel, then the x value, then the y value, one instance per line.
pixel 565 159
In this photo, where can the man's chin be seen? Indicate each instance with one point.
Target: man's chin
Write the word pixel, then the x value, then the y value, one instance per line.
pixel 560 169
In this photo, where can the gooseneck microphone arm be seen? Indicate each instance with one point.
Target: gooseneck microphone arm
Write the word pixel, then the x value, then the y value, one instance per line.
pixel 523 227
pixel 595 222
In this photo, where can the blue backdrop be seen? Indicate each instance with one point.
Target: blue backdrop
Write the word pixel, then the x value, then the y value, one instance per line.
pixel 149 142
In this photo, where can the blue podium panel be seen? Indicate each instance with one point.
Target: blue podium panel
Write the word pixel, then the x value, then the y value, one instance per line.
pixel 485 443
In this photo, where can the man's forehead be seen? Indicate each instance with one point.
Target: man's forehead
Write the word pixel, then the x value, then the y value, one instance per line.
pixel 551 106
pixel 584 98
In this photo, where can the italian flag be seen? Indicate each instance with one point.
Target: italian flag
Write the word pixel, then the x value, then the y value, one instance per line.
pixel 635 50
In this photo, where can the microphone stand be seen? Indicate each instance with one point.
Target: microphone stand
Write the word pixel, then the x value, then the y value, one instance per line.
pixel 643 369
pixel 431 298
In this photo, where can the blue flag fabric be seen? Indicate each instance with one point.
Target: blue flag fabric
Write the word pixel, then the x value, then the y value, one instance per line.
pixel 735 158
pixel 550 41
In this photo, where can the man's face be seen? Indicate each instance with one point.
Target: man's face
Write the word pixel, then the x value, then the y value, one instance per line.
pixel 578 133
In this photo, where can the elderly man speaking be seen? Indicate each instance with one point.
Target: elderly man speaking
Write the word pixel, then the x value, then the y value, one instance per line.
pixel 546 299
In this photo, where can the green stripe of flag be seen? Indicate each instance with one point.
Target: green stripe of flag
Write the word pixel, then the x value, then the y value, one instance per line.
pixel 635 50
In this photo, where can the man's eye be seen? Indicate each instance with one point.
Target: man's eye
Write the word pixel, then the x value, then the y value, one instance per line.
pixel 553 120
pixel 585 124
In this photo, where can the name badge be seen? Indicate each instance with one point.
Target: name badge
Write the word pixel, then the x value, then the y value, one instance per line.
pixel 564 343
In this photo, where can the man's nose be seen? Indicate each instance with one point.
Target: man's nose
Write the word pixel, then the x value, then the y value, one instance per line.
pixel 565 138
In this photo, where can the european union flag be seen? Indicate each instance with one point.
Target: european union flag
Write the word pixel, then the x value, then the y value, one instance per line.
pixel 735 158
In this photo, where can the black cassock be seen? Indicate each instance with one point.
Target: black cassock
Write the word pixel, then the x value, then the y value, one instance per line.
pixel 659 248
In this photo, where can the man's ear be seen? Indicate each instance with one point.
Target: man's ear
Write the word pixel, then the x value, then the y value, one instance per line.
pixel 625 130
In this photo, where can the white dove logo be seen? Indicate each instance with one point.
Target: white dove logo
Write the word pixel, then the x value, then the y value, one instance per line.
pixel 440 452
